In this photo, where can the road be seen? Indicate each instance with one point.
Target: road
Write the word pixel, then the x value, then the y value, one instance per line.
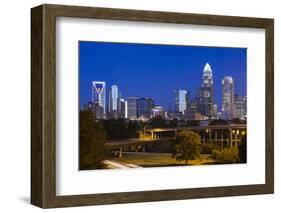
pixel 117 165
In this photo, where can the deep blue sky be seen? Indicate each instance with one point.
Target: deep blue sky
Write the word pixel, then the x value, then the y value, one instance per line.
pixel 149 70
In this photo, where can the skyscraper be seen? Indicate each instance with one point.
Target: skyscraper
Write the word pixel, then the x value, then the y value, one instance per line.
pixel 227 98
pixel 98 94
pixel 205 97
pixel 181 101
pixel 215 111
pixel 95 109
pixel 238 110
pixel 132 107
pixel 144 106
pixel 114 106
pixel 122 108
pixel 126 109
pixel 158 111
pixel 245 105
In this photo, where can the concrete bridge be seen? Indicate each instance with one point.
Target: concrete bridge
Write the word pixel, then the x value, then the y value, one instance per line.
pixel 130 145
pixel 224 134
pixel 130 142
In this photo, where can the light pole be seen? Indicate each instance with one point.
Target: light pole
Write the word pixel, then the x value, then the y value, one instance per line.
pixel 144 131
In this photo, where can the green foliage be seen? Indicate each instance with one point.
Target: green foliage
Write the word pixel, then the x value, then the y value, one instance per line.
pixel 158 122
pixel 193 123
pixel 208 148
pixel 91 142
pixel 238 121
pixel 120 128
pixel 132 129
pixel 218 122
pixel 115 129
pixel 227 155
pixel 187 146
pixel 243 150
pixel 173 123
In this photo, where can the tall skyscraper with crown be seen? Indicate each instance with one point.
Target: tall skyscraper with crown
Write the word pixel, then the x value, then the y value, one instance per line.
pixel 206 92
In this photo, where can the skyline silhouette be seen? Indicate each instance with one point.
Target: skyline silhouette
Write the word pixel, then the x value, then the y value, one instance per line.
pixel 152 70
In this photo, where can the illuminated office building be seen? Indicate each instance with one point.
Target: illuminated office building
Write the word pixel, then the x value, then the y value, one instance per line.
pixel 98 95
pixel 158 111
pixel 114 104
pixel 205 96
pixel 181 101
pixel 144 107
pixel 132 107
pixel 227 98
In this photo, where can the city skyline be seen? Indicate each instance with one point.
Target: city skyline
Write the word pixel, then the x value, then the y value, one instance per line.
pixel 148 105
pixel 164 87
pixel 233 104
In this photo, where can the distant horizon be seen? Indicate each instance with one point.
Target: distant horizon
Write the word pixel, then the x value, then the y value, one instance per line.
pixel 156 71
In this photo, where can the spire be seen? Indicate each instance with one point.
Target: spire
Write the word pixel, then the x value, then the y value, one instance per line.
pixel 207 70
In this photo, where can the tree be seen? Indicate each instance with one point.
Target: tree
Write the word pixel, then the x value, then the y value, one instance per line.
pixel 237 121
pixel 192 123
pixel 157 122
pixel 187 146
pixel 243 150
pixel 207 148
pixel 132 129
pixel 115 128
pixel 218 122
pixel 227 155
pixel 91 142
pixel 173 123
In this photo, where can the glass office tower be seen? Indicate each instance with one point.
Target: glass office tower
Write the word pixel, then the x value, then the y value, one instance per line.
pixel 98 95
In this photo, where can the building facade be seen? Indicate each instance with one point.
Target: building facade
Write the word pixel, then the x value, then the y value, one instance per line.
pixel 205 96
pixel 95 109
pixel 215 111
pixel 144 107
pixel 181 101
pixel 132 107
pixel 114 104
pixel 239 106
pixel 99 95
pixel 227 98
pixel 122 108
pixel 245 105
pixel 158 111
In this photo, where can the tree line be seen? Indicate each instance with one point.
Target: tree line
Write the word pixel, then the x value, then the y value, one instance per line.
pixel 187 146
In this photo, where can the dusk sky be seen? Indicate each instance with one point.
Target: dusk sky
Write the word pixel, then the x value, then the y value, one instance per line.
pixel 149 70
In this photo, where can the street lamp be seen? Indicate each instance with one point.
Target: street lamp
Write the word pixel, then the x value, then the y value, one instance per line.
pixel 144 130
